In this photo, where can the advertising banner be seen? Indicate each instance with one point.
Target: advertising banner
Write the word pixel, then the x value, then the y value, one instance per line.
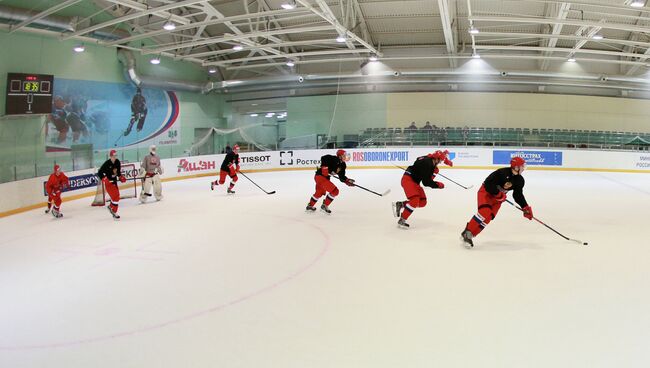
pixel 545 158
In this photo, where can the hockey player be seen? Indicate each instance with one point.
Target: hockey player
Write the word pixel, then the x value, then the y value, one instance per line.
pixel 56 183
pixel 138 111
pixel 109 174
pixel 423 170
pixel 150 171
pixel 329 165
pixel 493 192
pixel 229 167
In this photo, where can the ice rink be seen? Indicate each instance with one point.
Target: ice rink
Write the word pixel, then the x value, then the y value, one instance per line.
pixel 203 279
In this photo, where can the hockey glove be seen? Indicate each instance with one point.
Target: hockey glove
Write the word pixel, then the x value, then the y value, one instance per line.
pixel 436 170
pixel 439 185
pixel 501 197
pixel 349 182
pixel 141 172
pixel 237 168
pixel 122 178
pixel 159 170
pixel 325 170
pixel 528 212
pixel 232 171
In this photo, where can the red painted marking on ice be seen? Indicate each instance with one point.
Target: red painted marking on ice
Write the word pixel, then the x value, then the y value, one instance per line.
pixel 136 258
pixel 201 313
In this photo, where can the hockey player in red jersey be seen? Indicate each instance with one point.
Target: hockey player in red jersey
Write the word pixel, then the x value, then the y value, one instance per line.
pixel 56 183
pixel 109 174
pixel 493 192
pixel 423 170
pixel 330 165
pixel 229 167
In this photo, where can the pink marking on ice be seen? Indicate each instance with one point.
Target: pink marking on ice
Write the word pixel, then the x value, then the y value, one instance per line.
pixel 200 313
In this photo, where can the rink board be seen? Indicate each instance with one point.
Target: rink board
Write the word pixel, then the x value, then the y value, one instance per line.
pixel 24 195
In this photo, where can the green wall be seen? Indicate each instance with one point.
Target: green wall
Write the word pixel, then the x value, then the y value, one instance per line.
pixel 349 114
pixel 22 145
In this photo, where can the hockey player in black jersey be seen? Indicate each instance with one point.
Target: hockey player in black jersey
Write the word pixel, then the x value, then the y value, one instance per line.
pixel 229 167
pixel 330 165
pixel 423 170
pixel 493 192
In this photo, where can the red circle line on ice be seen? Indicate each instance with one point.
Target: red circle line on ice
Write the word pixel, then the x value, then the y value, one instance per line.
pixel 217 308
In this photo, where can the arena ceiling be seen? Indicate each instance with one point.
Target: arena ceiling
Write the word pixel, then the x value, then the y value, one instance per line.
pixel 599 42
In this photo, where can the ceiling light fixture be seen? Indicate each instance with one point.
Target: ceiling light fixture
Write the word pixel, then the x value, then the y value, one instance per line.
pixel 476 56
pixel 288 5
pixel 254 115
pixel 155 61
pixel 637 4
pixel 341 39
pixel 238 47
pixel 79 48
pixel 169 26
pixel 473 30
pixel 290 63
pixel 373 58
pixel 212 70
pixel 597 37
pixel 571 59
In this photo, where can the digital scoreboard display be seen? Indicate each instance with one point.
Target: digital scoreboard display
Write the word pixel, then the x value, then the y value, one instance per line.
pixel 29 93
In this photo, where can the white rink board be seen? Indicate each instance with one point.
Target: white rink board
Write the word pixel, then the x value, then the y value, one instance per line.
pixel 29 192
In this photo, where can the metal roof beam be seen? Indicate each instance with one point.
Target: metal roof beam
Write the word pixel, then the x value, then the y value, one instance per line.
pixel 244 36
pixel 293 55
pixel 517 35
pixel 280 44
pixel 43 14
pixel 131 16
pixel 563 11
pixel 142 7
pixel 445 18
pixel 571 22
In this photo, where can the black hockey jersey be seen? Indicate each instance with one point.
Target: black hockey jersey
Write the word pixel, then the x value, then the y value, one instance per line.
pixel 422 170
pixel 110 170
pixel 496 182
pixel 334 165
pixel 231 159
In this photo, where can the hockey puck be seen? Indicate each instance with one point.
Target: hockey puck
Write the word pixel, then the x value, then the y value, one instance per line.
pixel 585 243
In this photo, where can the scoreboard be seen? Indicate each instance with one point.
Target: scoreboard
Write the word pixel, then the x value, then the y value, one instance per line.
pixel 29 93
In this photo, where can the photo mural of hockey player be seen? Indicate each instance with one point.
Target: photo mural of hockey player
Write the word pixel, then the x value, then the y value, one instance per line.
pixel 109 115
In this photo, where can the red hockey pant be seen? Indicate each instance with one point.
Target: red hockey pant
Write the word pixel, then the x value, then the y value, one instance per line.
pixel 222 178
pixel 323 186
pixel 114 193
pixel 54 199
pixel 488 207
pixel 415 194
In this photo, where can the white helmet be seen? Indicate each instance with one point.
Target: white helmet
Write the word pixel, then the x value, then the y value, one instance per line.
pixel 152 148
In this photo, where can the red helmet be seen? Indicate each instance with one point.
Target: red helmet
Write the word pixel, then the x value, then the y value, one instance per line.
pixel 340 153
pixel 441 156
pixel 112 153
pixel 517 162
pixel 235 147
pixel 57 167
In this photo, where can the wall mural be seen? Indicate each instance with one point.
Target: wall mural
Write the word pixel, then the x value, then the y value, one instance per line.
pixel 109 115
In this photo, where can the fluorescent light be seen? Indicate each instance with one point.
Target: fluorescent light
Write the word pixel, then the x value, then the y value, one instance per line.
pixel 473 30
pixel 597 37
pixel 212 70
pixel 238 47
pixel 290 63
pixel 571 60
pixel 79 48
pixel 476 56
pixel 373 58
pixel 169 26
pixel 288 5
pixel 637 4
pixel 269 114
pixel 341 39
pixel 155 61
pixel 254 115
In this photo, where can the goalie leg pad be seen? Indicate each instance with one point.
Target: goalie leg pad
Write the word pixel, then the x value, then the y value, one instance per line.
pixel 157 187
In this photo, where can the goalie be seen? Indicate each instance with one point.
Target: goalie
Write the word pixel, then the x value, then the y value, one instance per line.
pixel 150 171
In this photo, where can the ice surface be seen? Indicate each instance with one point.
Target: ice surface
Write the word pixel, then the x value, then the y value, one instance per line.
pixel 203 279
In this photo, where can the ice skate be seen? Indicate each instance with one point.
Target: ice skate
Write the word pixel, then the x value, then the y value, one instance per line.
pixel 325 209
pixel 47 210
pixel 310 208
pixel 56 214
pixel 397 208
pixel 401 223
pixel 212 184
pixel 467 236
pixel 114 214
pixel 230 191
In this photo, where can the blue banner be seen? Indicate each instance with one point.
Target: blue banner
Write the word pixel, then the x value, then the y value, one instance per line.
pixel 78 182
pixel 546 158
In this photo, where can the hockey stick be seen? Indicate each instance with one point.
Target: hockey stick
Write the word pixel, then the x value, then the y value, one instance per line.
pixel 366 189
pixel 460 185
pixel 249 179
pixel 550 228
